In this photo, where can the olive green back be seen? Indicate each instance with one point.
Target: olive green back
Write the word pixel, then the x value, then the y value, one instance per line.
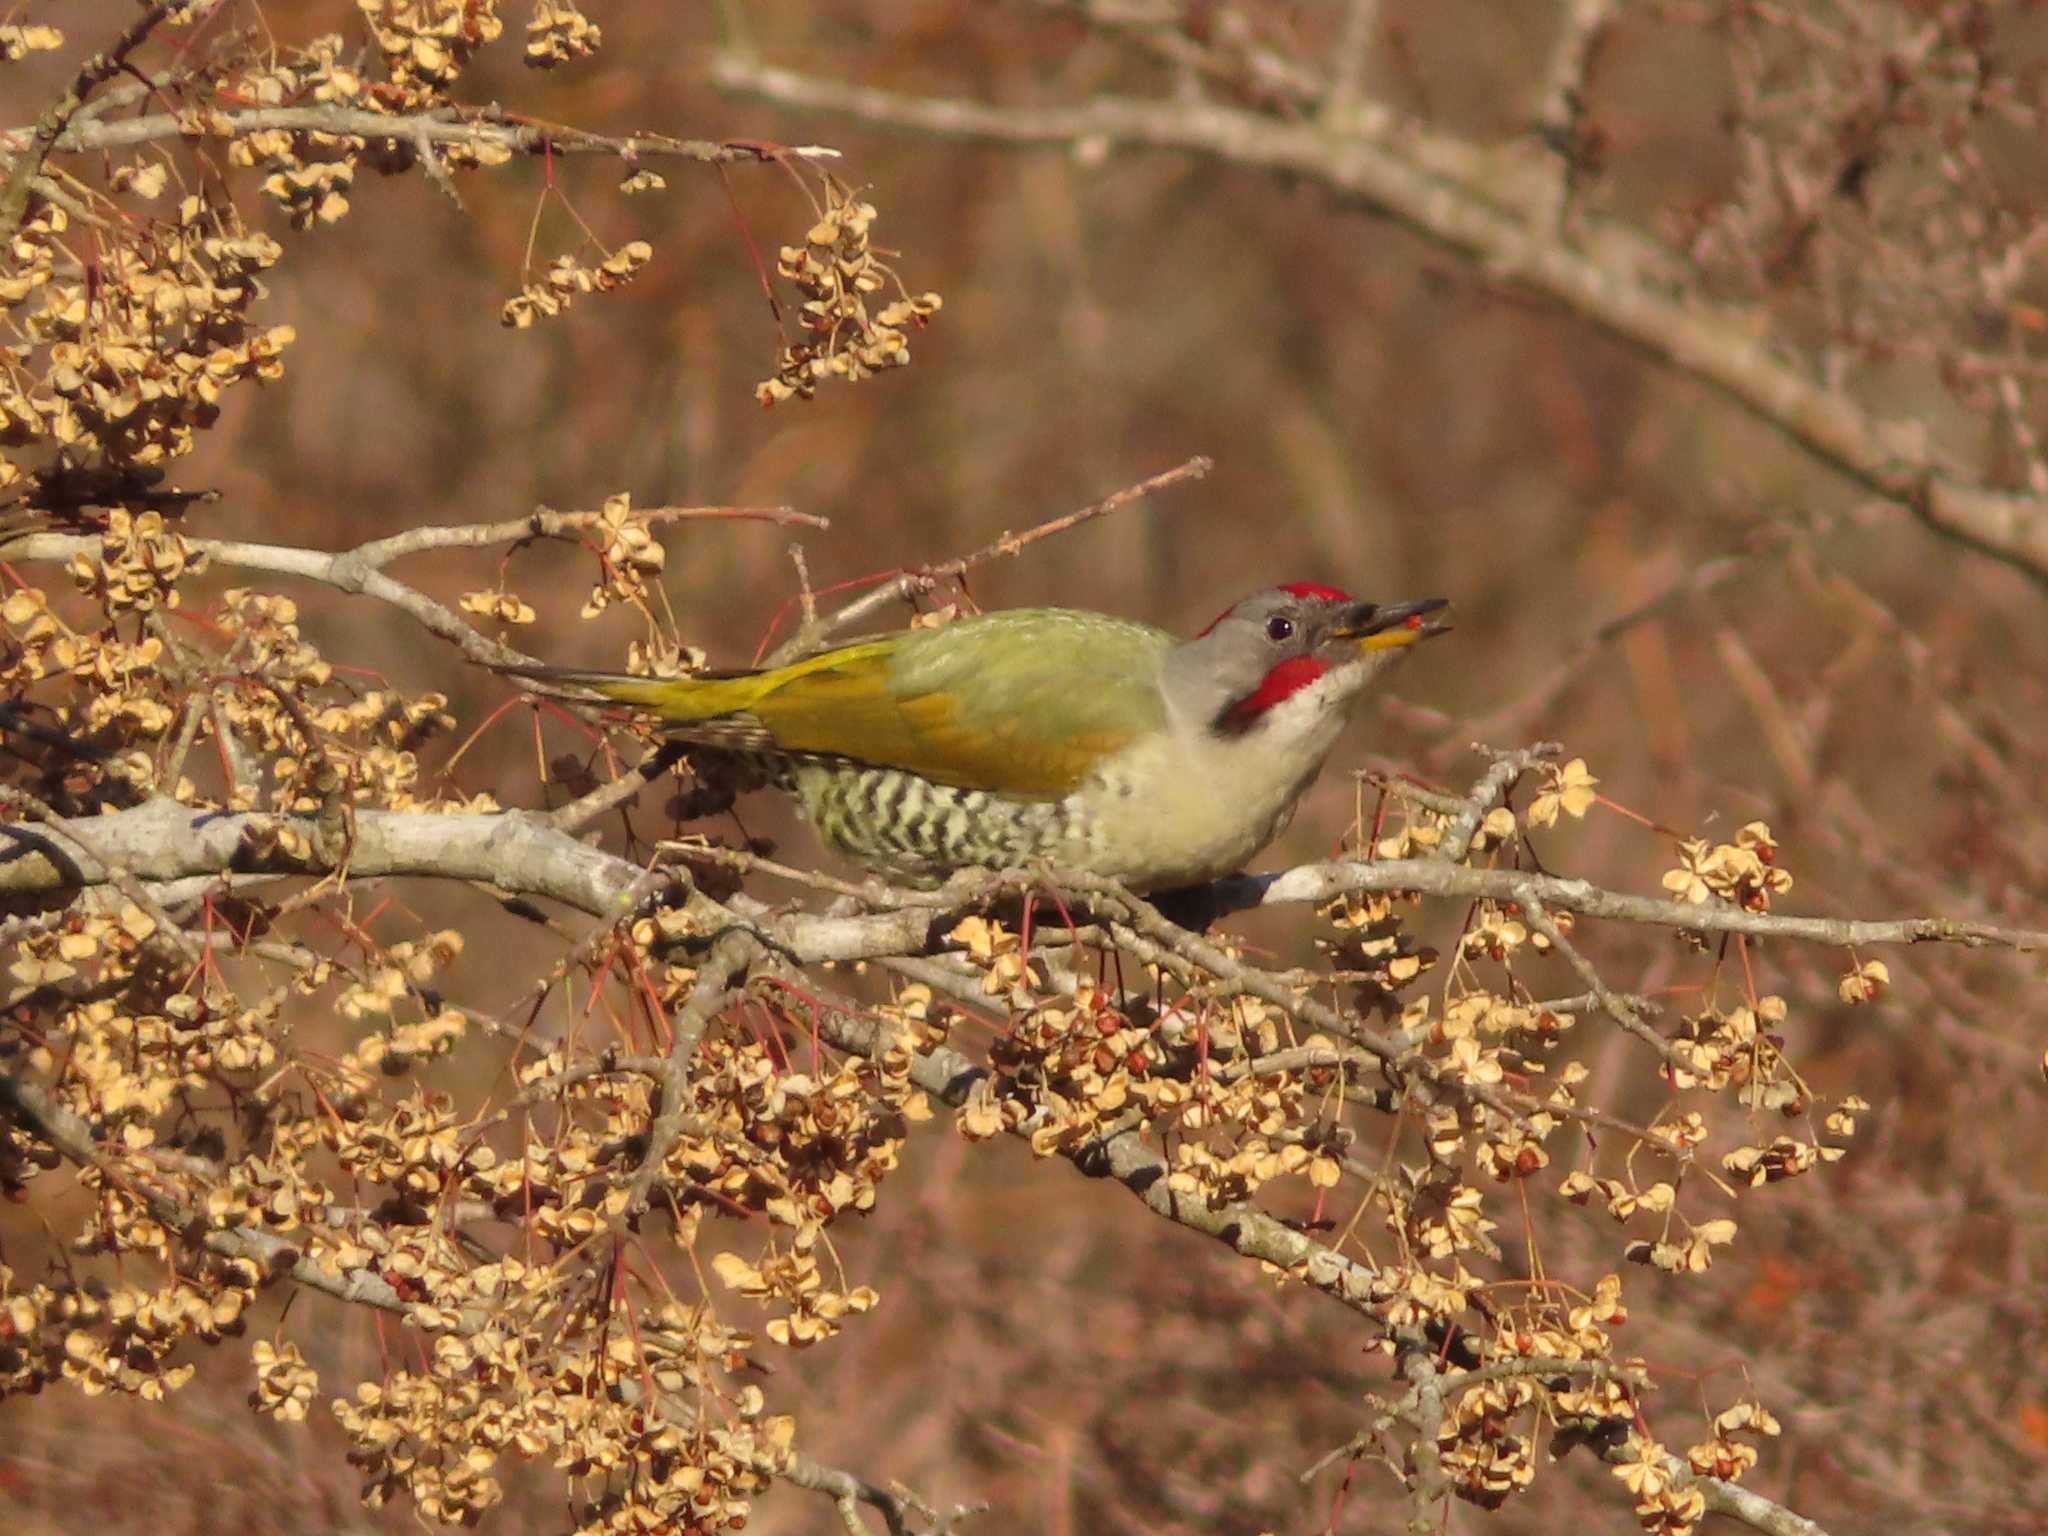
pixel 1023 702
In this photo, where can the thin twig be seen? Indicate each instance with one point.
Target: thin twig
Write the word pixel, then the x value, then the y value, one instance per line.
pixel 1347 69
pixel 1621 1009
pixel 1492 788
pixel 1560 115
pixel 1428 877
pixel 50 128
pixel 714 987
pixel 361 567
pixel 546 522
pixel 601 801
pixel 921 580
pixel 468 127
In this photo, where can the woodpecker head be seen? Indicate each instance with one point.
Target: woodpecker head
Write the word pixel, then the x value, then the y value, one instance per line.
pixel 1288 653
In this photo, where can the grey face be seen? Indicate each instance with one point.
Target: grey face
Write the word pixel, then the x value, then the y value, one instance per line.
pixel 1279 640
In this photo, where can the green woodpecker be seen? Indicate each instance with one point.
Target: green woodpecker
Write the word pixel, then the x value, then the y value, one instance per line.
pixel 1085 741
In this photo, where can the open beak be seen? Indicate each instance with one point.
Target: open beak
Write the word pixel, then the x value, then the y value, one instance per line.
pixel 1383 626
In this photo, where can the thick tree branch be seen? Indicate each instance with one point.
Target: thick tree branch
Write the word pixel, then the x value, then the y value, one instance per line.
pixel 1611 275
pixel 526 854
pixel 166 841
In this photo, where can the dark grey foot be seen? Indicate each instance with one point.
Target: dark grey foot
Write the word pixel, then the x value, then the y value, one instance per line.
pixel 1193 907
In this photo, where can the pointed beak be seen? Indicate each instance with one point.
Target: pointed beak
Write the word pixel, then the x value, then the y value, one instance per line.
pixel 1383 626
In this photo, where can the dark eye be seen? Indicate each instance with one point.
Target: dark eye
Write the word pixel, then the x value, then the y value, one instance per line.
pixel 1279 627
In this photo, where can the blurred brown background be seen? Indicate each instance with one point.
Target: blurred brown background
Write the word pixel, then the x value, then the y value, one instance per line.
pixel 1381 417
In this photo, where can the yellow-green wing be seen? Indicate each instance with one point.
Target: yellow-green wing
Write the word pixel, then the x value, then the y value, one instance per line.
pixel 1025 701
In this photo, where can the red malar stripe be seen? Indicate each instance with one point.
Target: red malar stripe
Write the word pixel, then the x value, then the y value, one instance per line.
pixel 1285 680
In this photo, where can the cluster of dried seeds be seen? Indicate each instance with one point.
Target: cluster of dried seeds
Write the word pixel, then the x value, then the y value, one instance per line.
pixel 837 273
pixel 427 44
pixel 567 277
pixel 629 555
pixel 559 33
pixel 18 41
pixel 1744 872
pixel 113 368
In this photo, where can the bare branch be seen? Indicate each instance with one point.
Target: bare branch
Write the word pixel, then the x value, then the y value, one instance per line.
pixel 1431 1488
pixel 547 523
pixel 1561 111
pixel 1492 787
pixel 1753 1509
pixel 344 571
pixel 166 841
pixel 470 127
pixel 848 1491
pixel 1321 882
pixel 79 837
pixel 361 568
pixel 1347 73
pixel 720 978
pixel 1625 1011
